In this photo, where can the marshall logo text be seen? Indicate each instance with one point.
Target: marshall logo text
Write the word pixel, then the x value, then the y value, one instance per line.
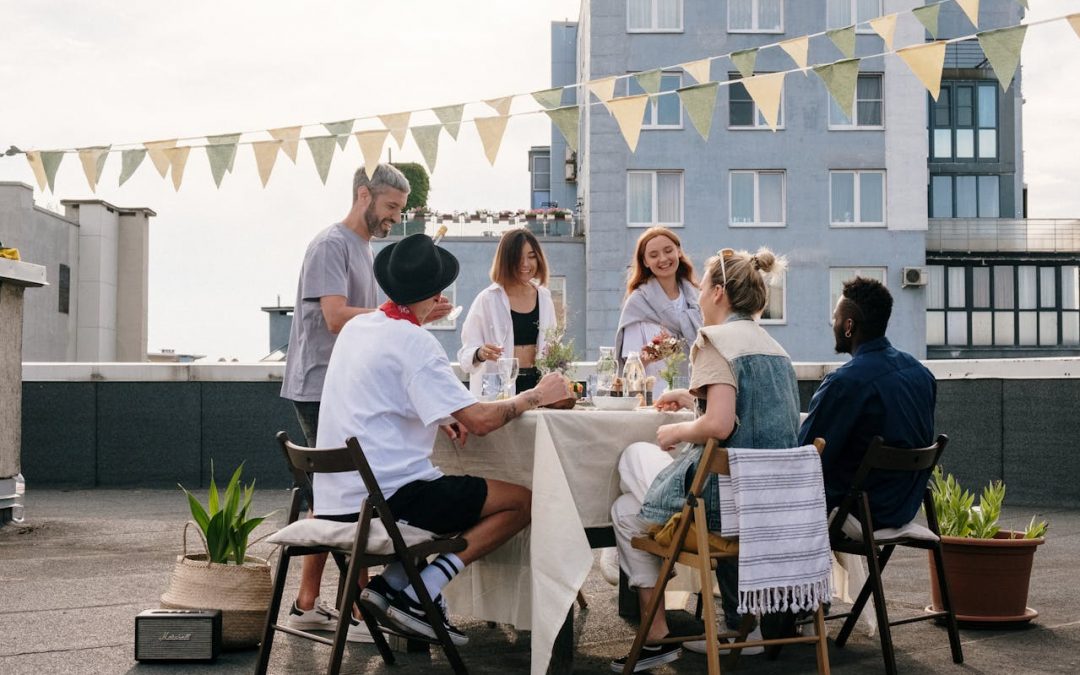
pixel 174 637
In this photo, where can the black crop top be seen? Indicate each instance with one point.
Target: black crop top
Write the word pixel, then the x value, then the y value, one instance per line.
pixel 526 325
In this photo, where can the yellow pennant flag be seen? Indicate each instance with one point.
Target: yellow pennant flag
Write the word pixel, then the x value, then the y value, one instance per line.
pixel 797 50
pixel 265 156
pixel 700 101
pixel 34 158
pixel 397 124
pixel 177 162
pixel 427 139
pixel 156 150
pixel 450 116
pixel 500 105
pixel 971 8
pixel 1002 49
pixel 93 161
pixel 566 119
pixel 629 112
pixel 371 145
pixel 491 132
pixel 1074 21
pixel 603 89
pixel 885 26
pixel 766 90
pixel 290 140
pixel 700 70
pixel 926 62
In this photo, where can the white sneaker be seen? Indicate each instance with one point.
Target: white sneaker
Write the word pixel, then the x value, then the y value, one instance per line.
pixel 698 646
pixel 324 617
pixel 609 565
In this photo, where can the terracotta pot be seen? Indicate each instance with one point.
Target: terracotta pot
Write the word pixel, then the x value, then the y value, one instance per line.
pixel 988 578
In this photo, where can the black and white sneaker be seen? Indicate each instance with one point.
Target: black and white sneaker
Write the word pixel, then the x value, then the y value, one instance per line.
pixel 375 599
pixel 651 656
pixel 409 616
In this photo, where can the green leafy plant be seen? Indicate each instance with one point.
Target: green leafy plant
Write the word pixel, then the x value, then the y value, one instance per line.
pixel 419 183
pixel 558 354
pixel 224 522
pixel 959 516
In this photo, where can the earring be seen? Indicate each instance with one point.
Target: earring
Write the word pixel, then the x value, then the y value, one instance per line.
pixel 847 334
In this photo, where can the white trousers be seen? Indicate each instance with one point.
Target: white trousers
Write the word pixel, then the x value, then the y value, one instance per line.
pixel 639 465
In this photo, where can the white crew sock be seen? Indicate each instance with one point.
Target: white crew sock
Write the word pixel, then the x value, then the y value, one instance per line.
pixel 437 574
pixel 394 575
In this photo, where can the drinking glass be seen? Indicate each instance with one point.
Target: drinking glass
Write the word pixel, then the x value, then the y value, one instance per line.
pixel 492 387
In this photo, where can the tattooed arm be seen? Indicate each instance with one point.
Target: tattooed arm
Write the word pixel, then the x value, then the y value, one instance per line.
pixel 485 417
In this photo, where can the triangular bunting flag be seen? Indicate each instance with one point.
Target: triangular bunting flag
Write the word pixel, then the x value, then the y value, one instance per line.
pixel 766 90
pixel 926 62
pixel 1002 49
pixel 427 139
pixel 341 130
pixel 604 89
pixel 700 101
pixel 322 151
pixel 265 156
pixel 629 112
pixel 1074 21
pixel 885 26
pixel 219 156
pixel 93 161
pixel 397 124
pixel 290 140
pixel 371 145
pixel 177 162
pixel 700 70
pixel 228 141
pixel 840 79
pixel 156 150
pixel 566 119
pixel 797 50
pixel 549 98
pixel 51 161
pixel 34 158
pixel 491 132
pixel 501 105
pixel 649 80
pixel 971 8
pixel 844 39
pixel 130 160
pixel 928 16
pixel 450 116
pixel 744 61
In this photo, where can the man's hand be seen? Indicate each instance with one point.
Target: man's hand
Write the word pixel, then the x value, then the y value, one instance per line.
pixel 668 436
pixel 675 399
pixel 441 309
pixel 553 387
pixel 456 433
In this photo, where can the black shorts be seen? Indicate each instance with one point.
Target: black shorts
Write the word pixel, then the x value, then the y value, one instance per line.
pixel 446 505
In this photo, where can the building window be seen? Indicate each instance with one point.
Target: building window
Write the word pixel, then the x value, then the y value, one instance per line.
pixel 757 199
pixel 755 16
pixel 557 286
pixel 965 197
pixel 65 289
pixel 743 113
pixel 975 305
pixel 963 122
pixel 654 16
pixel 868 112
pixel 776 306
pixel 843 13
pixel 838 275
pixel 445 324
pixel 857 198
pixel 541 171
pixel 654 198
pixel 664 110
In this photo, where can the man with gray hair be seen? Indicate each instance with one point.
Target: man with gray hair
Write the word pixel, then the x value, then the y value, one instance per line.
pixel 337 282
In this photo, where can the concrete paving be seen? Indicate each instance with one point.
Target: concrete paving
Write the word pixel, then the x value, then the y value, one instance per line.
pixel 86 562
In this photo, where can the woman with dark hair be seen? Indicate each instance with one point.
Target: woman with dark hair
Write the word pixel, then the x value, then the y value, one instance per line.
pixel 661 296
pixel 511 316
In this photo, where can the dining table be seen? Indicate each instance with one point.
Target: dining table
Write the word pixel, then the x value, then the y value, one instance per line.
pixel 569 459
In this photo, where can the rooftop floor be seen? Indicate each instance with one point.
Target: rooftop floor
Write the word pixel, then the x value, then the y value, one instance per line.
pixel 75 575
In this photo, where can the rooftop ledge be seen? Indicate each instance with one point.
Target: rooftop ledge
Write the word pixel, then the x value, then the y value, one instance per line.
pixel 1062 368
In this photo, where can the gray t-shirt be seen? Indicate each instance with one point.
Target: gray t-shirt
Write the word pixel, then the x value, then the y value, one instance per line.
pixel 337 262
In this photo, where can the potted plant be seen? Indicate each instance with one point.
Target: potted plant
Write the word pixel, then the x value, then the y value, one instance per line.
pixel 225 577
pixel 558 356
pixel 988 569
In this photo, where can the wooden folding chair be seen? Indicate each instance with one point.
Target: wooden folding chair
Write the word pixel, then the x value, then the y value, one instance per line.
pixel 305 461
pixel 693 523
pixel 877 551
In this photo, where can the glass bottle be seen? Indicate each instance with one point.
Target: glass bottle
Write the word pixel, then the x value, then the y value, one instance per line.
pixel 634 376
pixel 607 369
pixel 18 509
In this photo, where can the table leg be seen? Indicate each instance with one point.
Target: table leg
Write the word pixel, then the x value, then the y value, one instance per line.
pixel 629 607
pixel 562 651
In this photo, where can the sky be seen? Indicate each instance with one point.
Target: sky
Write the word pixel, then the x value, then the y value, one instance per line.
pixel 78 74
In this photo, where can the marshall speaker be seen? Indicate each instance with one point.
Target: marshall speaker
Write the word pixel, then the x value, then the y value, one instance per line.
pixel 178 635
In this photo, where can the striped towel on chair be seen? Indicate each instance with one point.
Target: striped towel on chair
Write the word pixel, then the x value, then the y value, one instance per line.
pixel 774 503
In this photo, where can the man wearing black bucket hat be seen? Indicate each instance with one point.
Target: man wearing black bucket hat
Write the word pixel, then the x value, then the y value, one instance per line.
pixel 390 384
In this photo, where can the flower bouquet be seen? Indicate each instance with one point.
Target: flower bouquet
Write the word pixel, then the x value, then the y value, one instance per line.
pixel 669 349
pixel 558 356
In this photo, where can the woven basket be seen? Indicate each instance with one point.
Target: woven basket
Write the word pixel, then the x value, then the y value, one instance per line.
pixel 241 592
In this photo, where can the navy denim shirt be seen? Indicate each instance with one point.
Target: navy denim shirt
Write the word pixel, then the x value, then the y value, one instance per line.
pixel 884 392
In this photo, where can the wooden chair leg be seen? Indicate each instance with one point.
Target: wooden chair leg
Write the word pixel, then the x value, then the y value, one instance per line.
pixel 712 649
pixel 653 607
pixel 267 644
pixel 946 602
pixel 337 650
pixel 822 645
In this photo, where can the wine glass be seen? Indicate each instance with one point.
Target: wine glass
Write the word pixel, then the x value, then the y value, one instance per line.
pixel 509 369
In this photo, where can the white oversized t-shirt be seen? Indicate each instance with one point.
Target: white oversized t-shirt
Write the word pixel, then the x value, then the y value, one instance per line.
pixel 390 384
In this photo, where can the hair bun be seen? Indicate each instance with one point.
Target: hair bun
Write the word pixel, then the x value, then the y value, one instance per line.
pixel 764 260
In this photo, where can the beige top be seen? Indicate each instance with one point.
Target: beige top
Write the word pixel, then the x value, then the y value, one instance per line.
pixel 708 366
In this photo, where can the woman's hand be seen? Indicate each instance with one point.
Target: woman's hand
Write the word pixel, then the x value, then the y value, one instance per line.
pixel 489 352
pixel 669 435
pixel 675 399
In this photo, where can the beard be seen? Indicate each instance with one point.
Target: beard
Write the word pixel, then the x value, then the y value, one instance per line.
pixel 378 228
pixel 842 344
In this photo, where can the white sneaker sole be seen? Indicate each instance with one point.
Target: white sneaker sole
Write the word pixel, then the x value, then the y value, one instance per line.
pixel 650 663
pixel 410 624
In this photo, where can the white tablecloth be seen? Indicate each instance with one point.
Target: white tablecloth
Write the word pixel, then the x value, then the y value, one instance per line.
pixel 570 460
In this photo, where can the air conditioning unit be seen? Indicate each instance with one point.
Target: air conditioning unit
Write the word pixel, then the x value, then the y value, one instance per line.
pixel 914 276
pixel 571 165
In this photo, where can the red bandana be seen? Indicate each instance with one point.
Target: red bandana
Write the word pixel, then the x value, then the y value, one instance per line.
pixel 400 312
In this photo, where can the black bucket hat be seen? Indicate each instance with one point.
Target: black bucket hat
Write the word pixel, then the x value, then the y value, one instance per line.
pixel 414 269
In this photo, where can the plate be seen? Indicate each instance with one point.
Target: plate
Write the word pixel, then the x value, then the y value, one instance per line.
pixel 615 402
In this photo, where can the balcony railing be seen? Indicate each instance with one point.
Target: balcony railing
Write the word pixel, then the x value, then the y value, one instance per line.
pixel 1002 235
